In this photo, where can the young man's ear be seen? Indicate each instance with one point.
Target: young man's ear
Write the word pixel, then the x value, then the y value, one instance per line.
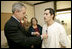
pixel 52 15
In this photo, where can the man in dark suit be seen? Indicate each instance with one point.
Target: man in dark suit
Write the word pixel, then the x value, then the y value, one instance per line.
pixel 15 33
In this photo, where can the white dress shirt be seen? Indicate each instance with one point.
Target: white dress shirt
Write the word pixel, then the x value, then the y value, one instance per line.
pixel 15 18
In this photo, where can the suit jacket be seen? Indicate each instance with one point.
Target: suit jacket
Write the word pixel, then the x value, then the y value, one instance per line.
pixel 17 37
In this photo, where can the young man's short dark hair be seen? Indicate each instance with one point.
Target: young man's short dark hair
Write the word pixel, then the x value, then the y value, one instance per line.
pixel 52 12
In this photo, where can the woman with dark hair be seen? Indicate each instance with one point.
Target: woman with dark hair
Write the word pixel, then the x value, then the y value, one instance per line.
pixel 35 30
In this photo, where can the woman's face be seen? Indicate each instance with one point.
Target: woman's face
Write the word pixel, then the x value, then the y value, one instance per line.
pixel 34 22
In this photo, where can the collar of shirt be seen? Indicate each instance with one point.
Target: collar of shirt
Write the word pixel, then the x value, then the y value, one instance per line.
pixel 15 18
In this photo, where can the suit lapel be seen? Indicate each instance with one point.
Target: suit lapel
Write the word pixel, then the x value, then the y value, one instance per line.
pixel 18 23
pixel 21 28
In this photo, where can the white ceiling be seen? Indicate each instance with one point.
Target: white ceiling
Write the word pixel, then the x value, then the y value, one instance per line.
pixel 32 2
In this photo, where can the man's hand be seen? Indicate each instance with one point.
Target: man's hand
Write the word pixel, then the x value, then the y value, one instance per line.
pixel 44 36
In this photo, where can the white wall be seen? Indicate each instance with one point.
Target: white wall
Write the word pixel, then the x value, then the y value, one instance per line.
pixel 29 11
pixel 3 40
pixel 6 6
pixel 39 11
pixel 66 17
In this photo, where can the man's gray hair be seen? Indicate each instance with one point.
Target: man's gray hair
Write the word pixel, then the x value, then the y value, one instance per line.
pixel 17 6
